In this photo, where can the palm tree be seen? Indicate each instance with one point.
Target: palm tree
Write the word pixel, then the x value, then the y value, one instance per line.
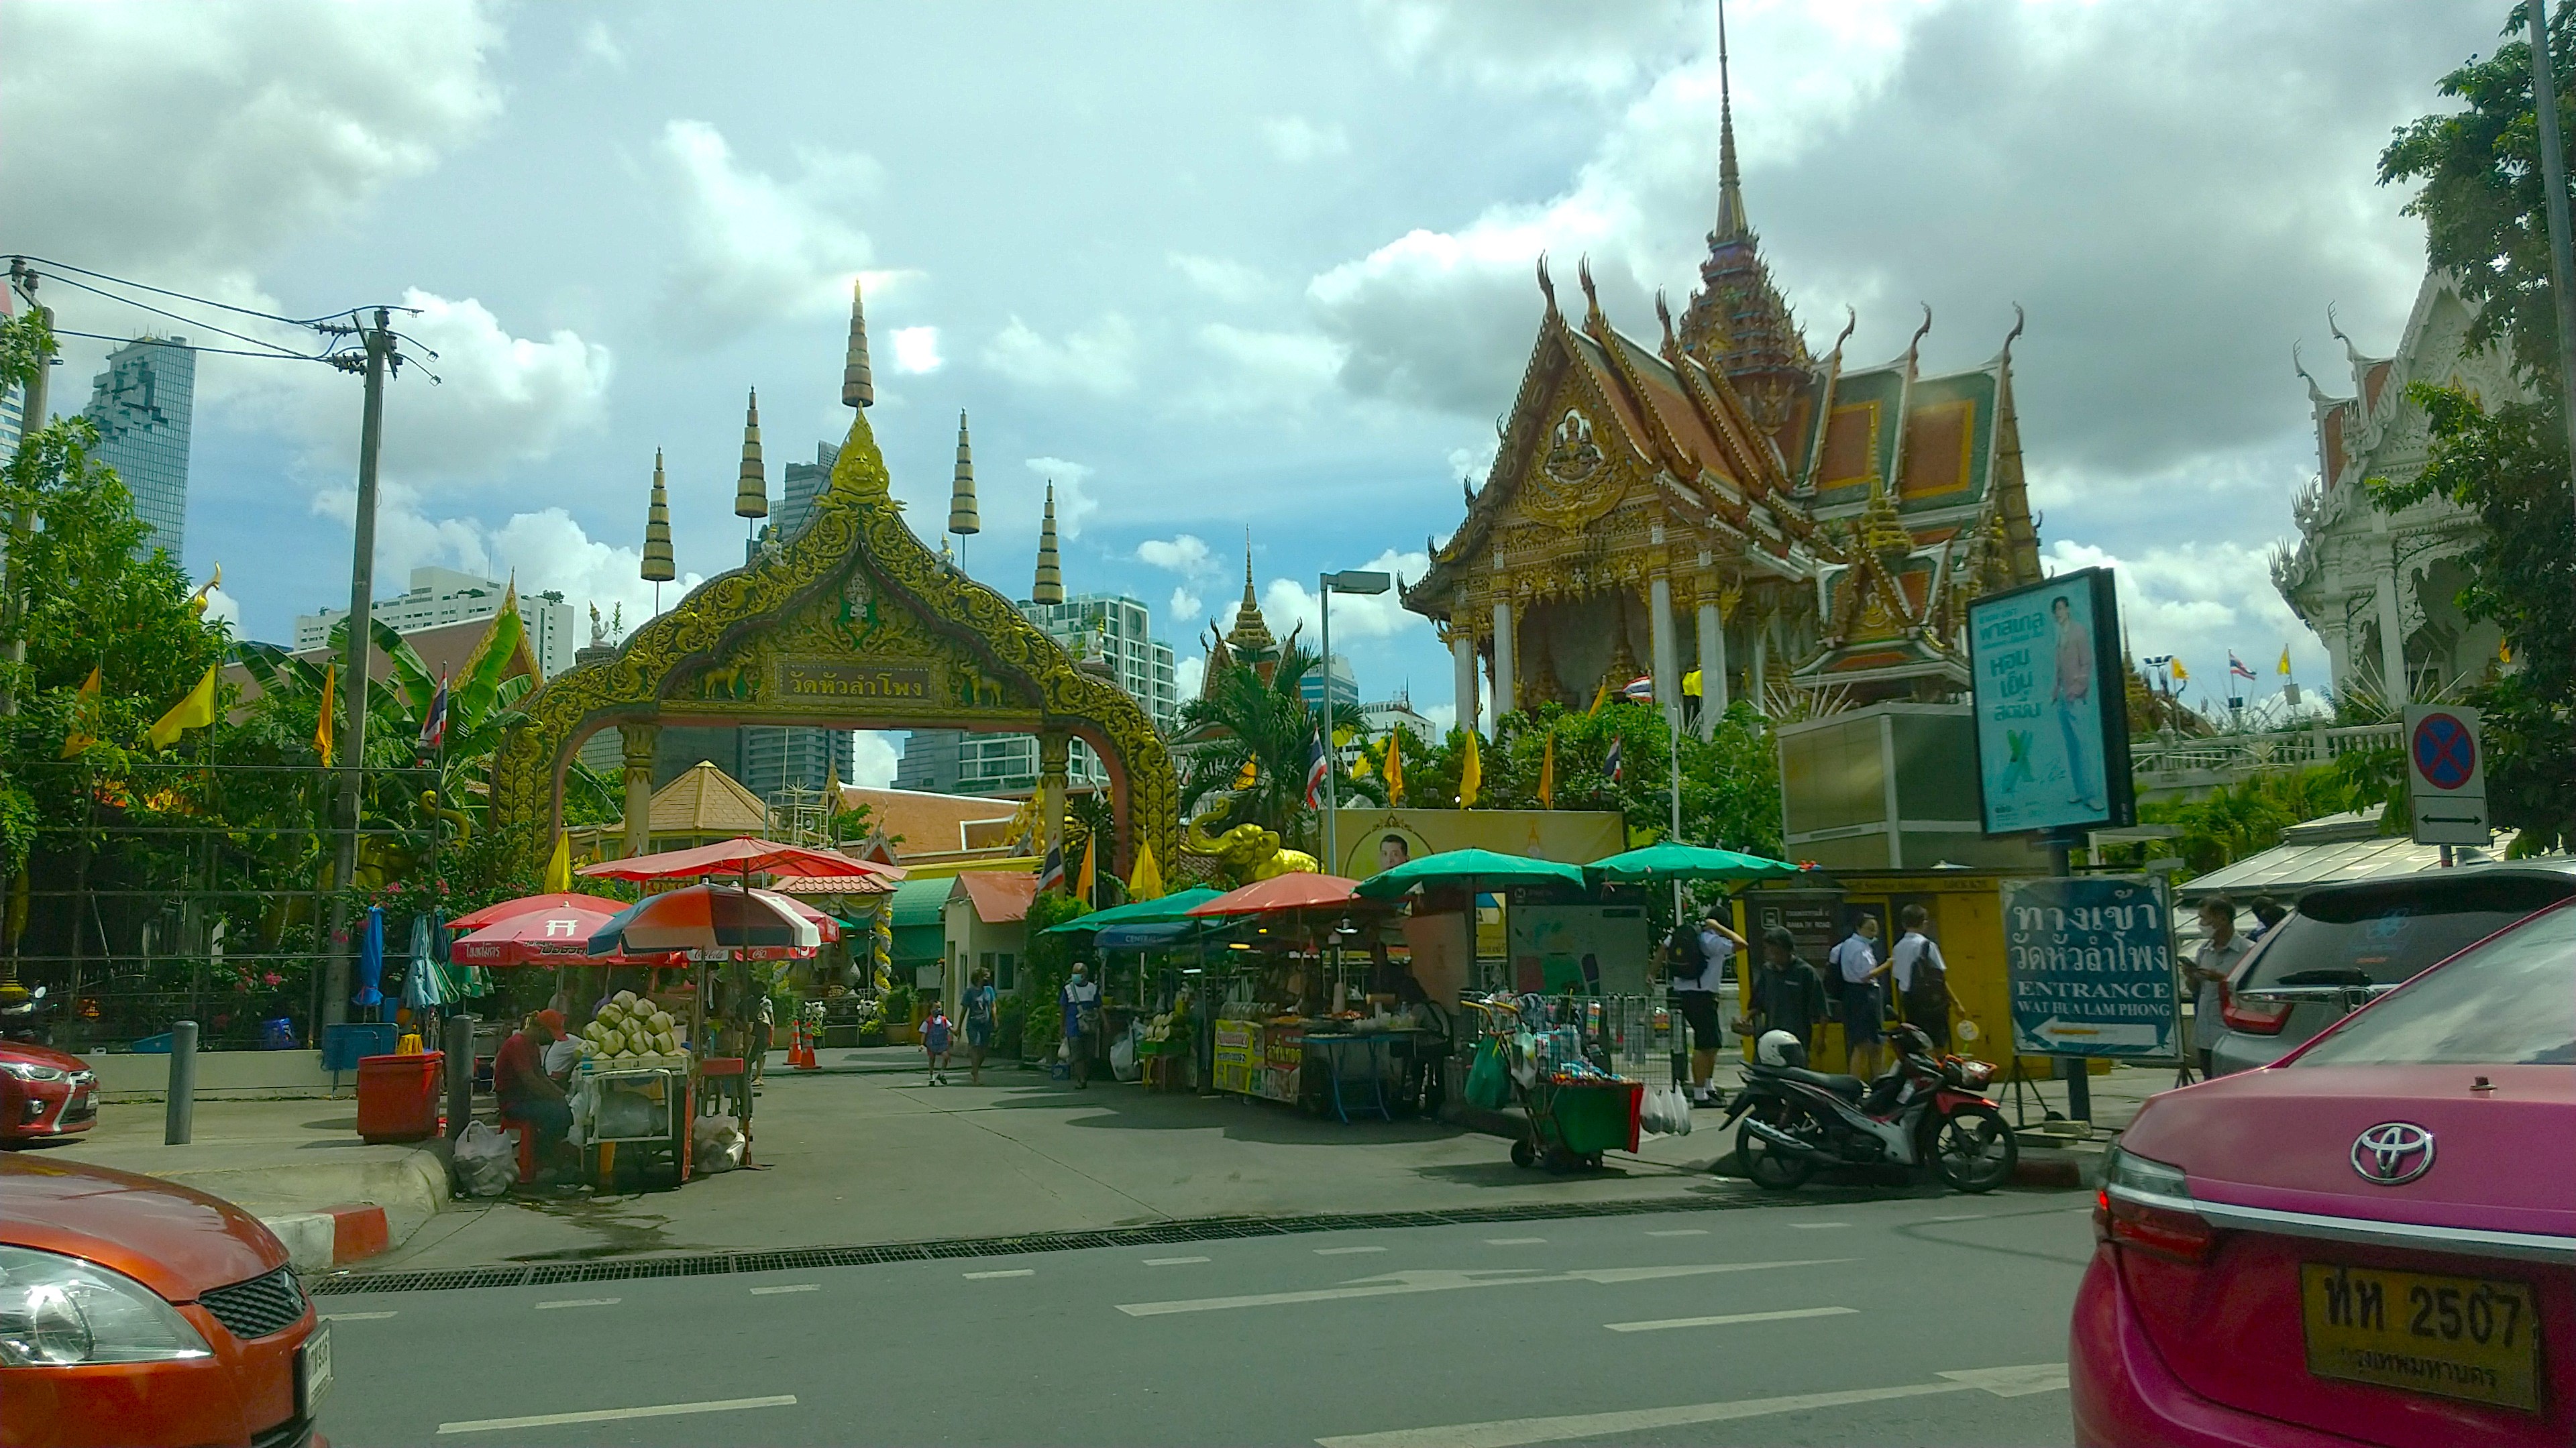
pixel 1242 718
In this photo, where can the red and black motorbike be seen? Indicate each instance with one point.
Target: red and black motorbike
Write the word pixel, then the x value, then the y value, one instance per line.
pixel 1929 1110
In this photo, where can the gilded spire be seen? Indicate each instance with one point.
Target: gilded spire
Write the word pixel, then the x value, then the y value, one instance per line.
pixel 961 497
pixel 751 495
pixel 1250 638
pixel 1730 186
pixel 1050 583
pixel 657 530
pixel 858 389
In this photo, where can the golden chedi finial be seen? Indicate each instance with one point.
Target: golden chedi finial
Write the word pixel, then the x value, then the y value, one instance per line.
pixel 751 494
pixel 1050 580
pixel 657 530
pixel 962 517
pixel 1250 638
pixel 858 388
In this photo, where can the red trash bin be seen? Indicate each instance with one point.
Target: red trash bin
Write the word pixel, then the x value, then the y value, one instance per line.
pixel 398 1097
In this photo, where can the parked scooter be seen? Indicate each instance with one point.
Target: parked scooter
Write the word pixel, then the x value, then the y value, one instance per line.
pixel 1929 1110
pixel 24 1017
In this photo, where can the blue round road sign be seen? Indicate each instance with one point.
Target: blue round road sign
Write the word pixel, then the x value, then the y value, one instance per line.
pixel 2446 754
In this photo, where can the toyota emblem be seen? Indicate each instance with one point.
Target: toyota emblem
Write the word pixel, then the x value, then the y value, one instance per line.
pixel 2393 1153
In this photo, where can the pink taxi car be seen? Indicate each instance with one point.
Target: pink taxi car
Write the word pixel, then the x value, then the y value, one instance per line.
pixel 2372 1241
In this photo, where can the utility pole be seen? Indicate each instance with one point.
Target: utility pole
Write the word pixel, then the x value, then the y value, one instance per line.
pixel 2553 185
pixel 355 655
pixel 22 519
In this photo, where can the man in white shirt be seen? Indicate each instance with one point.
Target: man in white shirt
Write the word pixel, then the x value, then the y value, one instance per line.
pixel 2210 967
pixel 1864 1017
pixel 1923 979
pixel 1696 997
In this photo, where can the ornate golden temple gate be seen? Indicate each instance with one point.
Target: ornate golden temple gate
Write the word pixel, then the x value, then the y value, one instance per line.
pixel 852 624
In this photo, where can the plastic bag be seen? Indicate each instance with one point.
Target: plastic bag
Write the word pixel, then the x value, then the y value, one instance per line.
pixel 1122 1055
pixel 715 1144
pixel 1524 1063
pixel 1677 1112
pixel 487 1161
pixel 1488 1085
pixel 1650 1111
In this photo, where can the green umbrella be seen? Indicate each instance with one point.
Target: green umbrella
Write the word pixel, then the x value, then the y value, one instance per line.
pixel 1140 912
pixel 1475 869
pixel 1671 860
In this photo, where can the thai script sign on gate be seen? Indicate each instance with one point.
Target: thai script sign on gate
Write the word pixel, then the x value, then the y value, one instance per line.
pixel 2090 961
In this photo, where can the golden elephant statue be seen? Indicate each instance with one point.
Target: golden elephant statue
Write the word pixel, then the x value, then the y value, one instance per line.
pixel 1247 852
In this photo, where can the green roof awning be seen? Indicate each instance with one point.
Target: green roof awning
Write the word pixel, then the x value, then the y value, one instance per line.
pixel 920 902
pixel 1140 912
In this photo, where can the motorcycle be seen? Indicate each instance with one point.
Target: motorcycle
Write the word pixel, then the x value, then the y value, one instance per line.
pixel 24 1018
pixel 1929 1110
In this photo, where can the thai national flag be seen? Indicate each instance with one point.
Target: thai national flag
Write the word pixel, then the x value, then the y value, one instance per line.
pixel 1051 870
pixel 433 727
pixel 1614 763
pixel 1317 763
pixel 2236 666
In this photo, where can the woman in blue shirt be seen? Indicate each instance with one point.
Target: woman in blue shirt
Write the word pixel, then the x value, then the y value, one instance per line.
pixel 978 1008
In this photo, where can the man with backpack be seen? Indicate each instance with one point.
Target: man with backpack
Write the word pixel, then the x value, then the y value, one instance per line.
pixel 1923 980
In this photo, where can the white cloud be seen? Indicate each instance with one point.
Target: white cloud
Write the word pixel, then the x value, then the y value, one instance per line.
pixel 1189 673
pixel 542 550
pixel 1186 554
pixel 753 248
pixel 2200 601
pixel 1530 45
pixel 1073 500
pixel 876 757
pixel 1297 140
pixel 1287 601
pixel 599 45
pixel 916 349
pixel 222 607
pixel 1268 370
pixel 1443 717
pixel 1099 360
pixel 1227 281
pixel 1185 604
pixel 500 398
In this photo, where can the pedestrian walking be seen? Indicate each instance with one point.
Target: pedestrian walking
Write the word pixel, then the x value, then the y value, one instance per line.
pixel 1855 964
pixel 979 1009
pixel 2268 912
pixel 937 1035
pixel 1923 979
pixel 1788 993
pixel 1699 970
pixel 2210 967
pixel 764 1028
pixel 1081 1000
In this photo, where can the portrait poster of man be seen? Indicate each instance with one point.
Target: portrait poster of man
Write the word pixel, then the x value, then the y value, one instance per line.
pixel 2051 707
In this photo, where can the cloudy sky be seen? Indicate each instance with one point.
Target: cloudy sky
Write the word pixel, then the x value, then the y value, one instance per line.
pixel 1209 268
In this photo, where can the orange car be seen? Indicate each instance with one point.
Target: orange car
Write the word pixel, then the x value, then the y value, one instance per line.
pixel 135 1312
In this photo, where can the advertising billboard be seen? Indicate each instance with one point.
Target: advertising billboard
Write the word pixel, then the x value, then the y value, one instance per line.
pixel 2091 963
pixel 2051 706
pixel 1381 839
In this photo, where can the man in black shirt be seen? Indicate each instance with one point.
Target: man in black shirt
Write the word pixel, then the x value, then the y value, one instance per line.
pixel 1788 994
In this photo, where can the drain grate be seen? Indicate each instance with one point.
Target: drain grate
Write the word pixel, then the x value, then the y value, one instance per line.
pixel 1157 1234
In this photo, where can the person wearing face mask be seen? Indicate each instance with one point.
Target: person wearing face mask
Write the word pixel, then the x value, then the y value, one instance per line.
pixel 1081 1000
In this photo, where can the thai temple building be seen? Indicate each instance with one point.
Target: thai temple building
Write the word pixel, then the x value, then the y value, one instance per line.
pixel 2379 590
pixel 1721 501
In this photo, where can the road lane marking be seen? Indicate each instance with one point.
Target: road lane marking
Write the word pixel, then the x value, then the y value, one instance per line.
pixel 1345 1251
pixel 612 1415
pixel 1514 1241
pixel 1968 1216
pixel 1397 1284
pixel 1514 1432
pixel 791 1287
pixel 355 1316
pixel 1729 1319
pixel 580 1302
pixel 1013 1272
pixel 1816 1226
pixel 1173 1261
pixel 1681 1232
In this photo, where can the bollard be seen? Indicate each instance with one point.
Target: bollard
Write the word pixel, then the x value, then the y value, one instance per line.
pixel 460 1074
pixel 180 1120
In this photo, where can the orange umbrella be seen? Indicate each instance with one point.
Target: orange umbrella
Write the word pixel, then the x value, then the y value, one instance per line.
pixel 529 904
pixel 553 935
pixel 1281 894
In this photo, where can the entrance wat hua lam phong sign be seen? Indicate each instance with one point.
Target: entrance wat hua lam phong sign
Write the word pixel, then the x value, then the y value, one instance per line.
pixel 848 623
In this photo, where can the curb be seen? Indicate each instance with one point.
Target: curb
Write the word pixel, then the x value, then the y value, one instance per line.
pixel 333 1236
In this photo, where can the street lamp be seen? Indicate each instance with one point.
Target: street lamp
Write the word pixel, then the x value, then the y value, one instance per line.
pixel 1351 581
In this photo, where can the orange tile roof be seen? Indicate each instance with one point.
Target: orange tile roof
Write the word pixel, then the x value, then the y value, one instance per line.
pixel 999 896
pixel 931 824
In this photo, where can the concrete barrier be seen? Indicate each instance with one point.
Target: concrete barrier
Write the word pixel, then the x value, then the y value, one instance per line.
pixel 404 1189
pixel 137 1076
pixel 333 1236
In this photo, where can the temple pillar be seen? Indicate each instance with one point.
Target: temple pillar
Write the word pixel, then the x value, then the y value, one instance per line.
pixel 1054 761
pixel 2392 642
pixel 1664 644
pixel 1462 665
pixel 1760 684
pixel 2338 641
pixel 1712 666
pixel 1506 689
pixel 639 741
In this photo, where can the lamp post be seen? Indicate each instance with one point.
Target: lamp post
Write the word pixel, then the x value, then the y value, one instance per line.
pixel 1354 582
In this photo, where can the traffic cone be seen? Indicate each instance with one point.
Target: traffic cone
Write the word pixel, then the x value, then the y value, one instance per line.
pixel 801 1055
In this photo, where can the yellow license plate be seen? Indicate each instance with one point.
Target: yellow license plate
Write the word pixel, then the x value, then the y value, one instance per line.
pixel 2456 1337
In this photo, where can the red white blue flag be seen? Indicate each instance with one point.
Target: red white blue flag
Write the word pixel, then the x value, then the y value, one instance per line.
pixel 1318 761
pixel 2236 666
pixel 433 726
pixel 1615 762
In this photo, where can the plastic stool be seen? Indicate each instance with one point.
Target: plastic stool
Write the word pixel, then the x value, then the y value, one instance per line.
pixel 527 1146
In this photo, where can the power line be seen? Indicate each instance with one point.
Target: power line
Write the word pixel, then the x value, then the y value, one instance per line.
pixel 202 301
pixel 174 316
pixel 193 347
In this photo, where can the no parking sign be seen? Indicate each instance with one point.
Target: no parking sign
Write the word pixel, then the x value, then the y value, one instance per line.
pixel 2446 774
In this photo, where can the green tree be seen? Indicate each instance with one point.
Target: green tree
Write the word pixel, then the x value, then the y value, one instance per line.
pixel 2480 193
pixel 1246 718
pixel 1730 781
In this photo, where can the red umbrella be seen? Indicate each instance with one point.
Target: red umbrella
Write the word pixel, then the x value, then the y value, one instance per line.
pixel 726 918
pixel 824 925
pixel 741 856
pixel 1280 894
pixel 529 904
pixel 554 935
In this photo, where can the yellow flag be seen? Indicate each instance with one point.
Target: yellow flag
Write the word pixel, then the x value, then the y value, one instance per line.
pixel 2179 672
pixel 193 712
pixel 1145 882
pixel 2285 661
pixel 322 720
pixel 559 868
pixel 1244 778
pixel 1394 767
pixel 1547 774
pixel 1090 881
pixel 1359 764
pixel 1600 697
pixel 1471 774
pixel 1693 687
pixel 79 737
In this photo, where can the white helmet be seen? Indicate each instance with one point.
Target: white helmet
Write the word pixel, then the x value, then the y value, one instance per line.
pixel 1779 1048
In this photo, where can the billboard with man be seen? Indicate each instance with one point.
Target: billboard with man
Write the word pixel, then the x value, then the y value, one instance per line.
pixel 2051 705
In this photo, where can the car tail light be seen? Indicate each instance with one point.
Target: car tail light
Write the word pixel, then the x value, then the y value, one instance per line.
pixel 2255 1017
pixel 2146 1206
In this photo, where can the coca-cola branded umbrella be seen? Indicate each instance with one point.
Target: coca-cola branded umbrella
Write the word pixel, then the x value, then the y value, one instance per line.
pixel 711 919
pixel 551 935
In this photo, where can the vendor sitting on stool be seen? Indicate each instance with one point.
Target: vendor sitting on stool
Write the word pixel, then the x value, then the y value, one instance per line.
pixel 525 1092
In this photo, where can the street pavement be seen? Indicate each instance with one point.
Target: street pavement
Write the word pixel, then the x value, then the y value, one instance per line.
pixel 1917 1321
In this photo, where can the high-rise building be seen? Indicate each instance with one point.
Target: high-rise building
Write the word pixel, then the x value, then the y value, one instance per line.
pixel 141 406
pixel 444 595
pixel 1346 685
pixel 802 483
pixel 1112 628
